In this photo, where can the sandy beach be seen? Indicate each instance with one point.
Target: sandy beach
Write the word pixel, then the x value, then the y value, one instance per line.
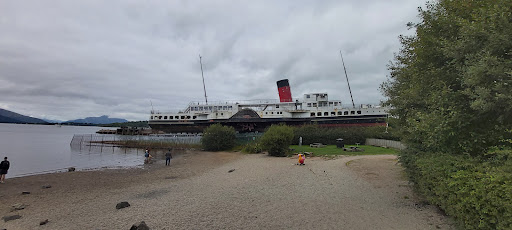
pixel 198 192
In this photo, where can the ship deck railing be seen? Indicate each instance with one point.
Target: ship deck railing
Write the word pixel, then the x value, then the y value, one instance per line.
pixel 259 105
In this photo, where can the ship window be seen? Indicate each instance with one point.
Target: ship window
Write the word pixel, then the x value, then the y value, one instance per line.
pixel 308 96
pixel 326 113
pixel 359 112
pixel 221 114
pixel 319 114
pixel 272 112
pixel 277 106
pixel 177 117
pixel 165 117
pixel 151 117
pixel 200 108
pixel 224 107
pixel 309 104
pixel 230 107
pixel 182 117
pixel 339 113
pixel 266 112
pixel 314 104
pixel 194 117
pixel 170 117
pixel 160 117
pixel 331 103
pixel 345 113
pixel 336 104
pixel 333 113
pixel 188 117
pixel 312 114
pixel 352 112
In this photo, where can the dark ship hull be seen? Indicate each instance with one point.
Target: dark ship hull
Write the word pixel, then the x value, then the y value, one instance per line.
pixel 259 125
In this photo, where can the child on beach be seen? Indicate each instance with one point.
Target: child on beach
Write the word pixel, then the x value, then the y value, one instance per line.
pixel 147 157
pixel 301 159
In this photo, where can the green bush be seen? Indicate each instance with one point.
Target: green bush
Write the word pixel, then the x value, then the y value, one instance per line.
pixel 218 137
pixel 253 147
pixel 475 191
pixel 277 139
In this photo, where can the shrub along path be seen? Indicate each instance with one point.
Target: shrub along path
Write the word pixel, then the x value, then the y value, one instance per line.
pixel 198 192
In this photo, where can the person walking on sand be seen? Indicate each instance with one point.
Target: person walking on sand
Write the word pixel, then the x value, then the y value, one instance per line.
pixel 4 166
pixel 168 157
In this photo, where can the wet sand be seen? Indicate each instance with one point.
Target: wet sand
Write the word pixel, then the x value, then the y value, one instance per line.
pixel 198 192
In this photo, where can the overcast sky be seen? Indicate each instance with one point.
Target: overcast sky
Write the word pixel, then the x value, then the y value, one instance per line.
pixel 70 59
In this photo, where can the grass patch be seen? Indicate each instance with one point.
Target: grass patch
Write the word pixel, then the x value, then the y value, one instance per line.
pixel 331 150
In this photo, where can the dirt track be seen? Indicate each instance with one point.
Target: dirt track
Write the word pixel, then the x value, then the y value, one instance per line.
pixel 198 192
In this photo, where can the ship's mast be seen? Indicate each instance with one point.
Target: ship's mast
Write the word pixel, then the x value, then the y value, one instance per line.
pixel 353 105
pixel 202 75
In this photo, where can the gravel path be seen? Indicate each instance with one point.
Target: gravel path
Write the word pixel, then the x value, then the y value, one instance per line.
pixel 198 192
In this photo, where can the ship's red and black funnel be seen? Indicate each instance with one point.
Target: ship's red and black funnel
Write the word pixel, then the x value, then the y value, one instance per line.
pixel 285 95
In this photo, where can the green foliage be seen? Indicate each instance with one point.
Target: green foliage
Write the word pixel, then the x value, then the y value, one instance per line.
pixel 218 137
pixel 451 83
pixel 475 192
pixel 333 150
pixel 277 139
pixel 350 135
pixel 253 147
pixel 451 92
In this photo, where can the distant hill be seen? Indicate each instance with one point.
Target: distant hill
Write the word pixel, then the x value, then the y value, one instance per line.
pixel 98 120
pixel 53 121
pixel 7 116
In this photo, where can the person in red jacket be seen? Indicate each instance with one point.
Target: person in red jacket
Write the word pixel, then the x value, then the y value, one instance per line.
pixel 4 166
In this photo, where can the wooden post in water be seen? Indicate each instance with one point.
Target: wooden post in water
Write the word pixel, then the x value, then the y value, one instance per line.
pixel 90 144
pixel 101 147
pixel 81 140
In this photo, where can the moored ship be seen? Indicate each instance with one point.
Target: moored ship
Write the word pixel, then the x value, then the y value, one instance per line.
pixel 256 115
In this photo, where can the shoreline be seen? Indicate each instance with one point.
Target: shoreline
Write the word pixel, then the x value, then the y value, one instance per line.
pixel 198 191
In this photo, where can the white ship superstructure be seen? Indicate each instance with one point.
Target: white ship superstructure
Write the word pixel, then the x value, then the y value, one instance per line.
pixel 256 115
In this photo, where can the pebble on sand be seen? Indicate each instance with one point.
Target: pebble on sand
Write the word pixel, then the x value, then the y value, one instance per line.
pixel 123 204
pixel 9 218
pixel 140 226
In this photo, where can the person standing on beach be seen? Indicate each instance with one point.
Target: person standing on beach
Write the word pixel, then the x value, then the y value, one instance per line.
pixel 4 166
pixel 168 157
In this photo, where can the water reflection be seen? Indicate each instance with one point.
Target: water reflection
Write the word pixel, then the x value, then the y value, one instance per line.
pixel 38 149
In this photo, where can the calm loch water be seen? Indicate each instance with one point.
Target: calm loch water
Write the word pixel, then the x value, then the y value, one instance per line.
pixel 38 149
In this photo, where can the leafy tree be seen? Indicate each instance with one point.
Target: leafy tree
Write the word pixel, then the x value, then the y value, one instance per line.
pixel 277 139
pixel 451 83
pixel 218 137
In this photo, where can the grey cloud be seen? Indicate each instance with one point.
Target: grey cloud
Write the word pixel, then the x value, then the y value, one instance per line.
pixel 71 59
